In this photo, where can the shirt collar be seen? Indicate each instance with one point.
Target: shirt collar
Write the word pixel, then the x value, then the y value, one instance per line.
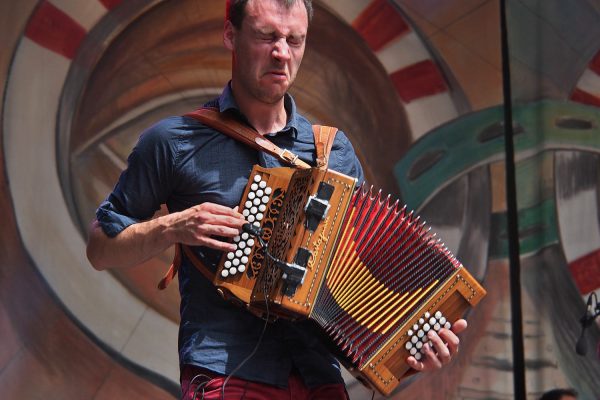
pixel 227 103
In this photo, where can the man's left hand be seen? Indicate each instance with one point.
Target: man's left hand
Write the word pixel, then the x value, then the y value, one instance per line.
pixel 445 346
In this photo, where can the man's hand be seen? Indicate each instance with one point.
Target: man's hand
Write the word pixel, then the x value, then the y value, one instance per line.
pixel 196 226
pixel 201 224
pixel 445 346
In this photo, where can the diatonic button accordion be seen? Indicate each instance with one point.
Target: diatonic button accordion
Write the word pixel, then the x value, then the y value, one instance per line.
pixel 367 271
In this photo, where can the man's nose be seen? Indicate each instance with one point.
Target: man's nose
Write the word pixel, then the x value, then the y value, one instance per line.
pixel 281 50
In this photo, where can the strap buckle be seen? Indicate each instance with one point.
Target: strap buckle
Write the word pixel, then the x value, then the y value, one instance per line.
pixel 288 156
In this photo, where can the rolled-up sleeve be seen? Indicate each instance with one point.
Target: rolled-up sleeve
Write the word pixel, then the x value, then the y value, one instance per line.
pixel 144 185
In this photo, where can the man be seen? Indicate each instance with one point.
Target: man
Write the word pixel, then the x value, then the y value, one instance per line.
pixel 200 175
pixel 560 394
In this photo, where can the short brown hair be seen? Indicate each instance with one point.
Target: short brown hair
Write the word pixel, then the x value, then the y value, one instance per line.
pixel 557 394
pixel 236 10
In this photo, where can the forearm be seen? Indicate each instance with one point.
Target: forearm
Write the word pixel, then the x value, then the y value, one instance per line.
pixel 134 245
pixel 200 225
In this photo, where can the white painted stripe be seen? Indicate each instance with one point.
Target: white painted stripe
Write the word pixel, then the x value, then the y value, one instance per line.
pixel 347 10
pixel 86 13
pixel 429 112
pixel 96 299
pixel 403 51
pixel 589 82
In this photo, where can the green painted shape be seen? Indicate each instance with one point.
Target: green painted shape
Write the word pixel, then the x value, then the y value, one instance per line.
pixel 461 150
pixel 538 229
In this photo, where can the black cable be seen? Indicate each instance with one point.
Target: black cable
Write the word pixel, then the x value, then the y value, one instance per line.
pixel 245 360
pixel 513 219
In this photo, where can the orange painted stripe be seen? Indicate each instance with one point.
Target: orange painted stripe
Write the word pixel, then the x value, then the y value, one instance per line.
pixel 53 29
pixel 581 96
pixel 418 80
pixel 379 24
pixel 586 272
pixel 110 4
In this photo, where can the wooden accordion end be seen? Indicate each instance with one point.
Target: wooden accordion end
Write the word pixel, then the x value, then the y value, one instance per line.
pixel 368 272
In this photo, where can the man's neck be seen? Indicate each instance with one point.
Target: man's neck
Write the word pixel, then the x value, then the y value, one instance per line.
pixel 265 118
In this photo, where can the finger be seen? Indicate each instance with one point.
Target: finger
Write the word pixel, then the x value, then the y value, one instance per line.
pixel 219 209
pixel 431 358
pixel 459 326
pixel 207 230
pixel 218 244
pixel 415 364
pixel 452 341
pixel 443 353
pixel 227 221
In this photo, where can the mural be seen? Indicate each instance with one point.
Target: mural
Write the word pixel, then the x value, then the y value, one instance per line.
pixel 417 86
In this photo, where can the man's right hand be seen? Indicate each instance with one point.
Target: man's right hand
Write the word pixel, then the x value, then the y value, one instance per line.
pixel 202 225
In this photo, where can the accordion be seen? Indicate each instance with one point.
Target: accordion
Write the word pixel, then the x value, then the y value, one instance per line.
pixel 364 269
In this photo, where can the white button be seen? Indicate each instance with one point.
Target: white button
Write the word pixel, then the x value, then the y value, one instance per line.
pixel 262 184
pixel 224 273
pixel 262 208
pixel 259 217
pixel 437 327
pixel 250 242
pixel 447 325
pixel 257 178
pixel 256 201
pixel 432 321
pixel 438 314
pixel 242 244
pixel 227 264
pixel 265 199
pixel 418 356
pixel 426 327
pixel 248 204
pixel 244 260
pixel 419 334
pixel 247 251
pixel 254 186
pixel 245 236
pixel 443 320
pixel 253 210
pixel 421 321
pixel 413 351
pixel 239 253
pixel 245 213
pixel 260 193
pixel 236 262
pixel 414 339
pixel 415 327
pixel 251 218
pixel 427 315
pixel 408 345
pixel 268 190
pixel 419 345
pixel 251 195
pixel 230 255
pixel 242 268
pixel 410 332
pixel 233 270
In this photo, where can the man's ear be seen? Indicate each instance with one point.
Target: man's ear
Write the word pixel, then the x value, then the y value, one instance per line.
pixel 229 35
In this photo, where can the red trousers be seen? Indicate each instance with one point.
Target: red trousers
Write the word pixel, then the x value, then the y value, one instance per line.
pixel 198 383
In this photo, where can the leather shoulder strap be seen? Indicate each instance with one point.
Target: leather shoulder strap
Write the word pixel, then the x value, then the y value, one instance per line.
pixel 324 137
pixel 226 124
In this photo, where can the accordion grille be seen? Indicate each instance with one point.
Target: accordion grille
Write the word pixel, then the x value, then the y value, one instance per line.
pixel 384 268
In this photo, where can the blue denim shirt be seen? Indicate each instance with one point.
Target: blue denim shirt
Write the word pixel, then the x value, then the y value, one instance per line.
pixel 180 162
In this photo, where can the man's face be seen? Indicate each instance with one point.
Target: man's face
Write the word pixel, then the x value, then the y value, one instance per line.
pixel 267 49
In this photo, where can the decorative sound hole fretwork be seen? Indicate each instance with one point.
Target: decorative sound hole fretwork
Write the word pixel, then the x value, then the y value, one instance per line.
pixel 283 232
pixel 272 214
